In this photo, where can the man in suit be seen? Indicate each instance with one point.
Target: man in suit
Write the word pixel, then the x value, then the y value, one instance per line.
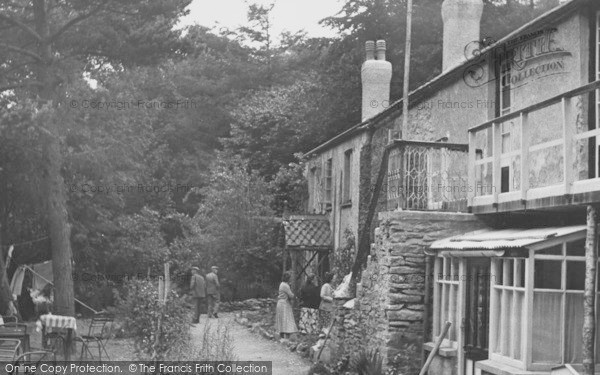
pixel 198 291
pixel 212 292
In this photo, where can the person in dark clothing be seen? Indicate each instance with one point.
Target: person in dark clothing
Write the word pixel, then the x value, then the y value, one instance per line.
pixel 310 294
pixel 198 290
pixel 310 298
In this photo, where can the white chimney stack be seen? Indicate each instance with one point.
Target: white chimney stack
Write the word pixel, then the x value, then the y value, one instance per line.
pixel 461 26
pixel 376 77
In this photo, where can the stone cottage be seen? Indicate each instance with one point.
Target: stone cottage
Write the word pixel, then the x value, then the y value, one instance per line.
pixel 481 209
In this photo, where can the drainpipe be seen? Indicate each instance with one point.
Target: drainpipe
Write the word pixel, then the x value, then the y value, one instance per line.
pixel 426 307
pixel 589 294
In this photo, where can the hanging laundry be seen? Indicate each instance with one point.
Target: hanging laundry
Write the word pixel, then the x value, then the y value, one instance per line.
pixel 42 272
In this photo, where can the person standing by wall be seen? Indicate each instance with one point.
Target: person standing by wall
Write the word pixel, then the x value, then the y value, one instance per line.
pixel 284 317
pixel 213 292
pixel 326 306
pixel 309 305
pixel 198 291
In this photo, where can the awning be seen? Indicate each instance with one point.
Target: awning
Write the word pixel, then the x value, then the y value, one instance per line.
pixel 307 232
pixel 495 242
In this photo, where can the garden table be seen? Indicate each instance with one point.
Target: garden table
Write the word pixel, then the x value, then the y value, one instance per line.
pixel 68 323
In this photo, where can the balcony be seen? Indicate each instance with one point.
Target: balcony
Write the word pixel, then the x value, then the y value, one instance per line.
pixel 427 176
pixel 542 156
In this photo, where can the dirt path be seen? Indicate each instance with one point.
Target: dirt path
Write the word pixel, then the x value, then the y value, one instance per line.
pixel 251 347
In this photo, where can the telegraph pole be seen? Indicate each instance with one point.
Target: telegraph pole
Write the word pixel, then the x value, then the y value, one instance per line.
pixel 405 89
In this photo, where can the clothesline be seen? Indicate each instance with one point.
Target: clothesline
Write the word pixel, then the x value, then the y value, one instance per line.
pixel 27 242
pixel 51 283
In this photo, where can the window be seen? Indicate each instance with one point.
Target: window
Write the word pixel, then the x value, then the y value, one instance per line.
pixel 505 92
pixel 508 308
pixel 328 181
pixel 446 297
pixel 559 277
pixel 346 189
pixel 510 158
pixel 316 189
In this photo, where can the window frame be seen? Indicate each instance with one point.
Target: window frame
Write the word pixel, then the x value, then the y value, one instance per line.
pixel 499 267
pixel 347 178
pixel 530 290
pixel 563 291
pixel 441 299
pixel 328 185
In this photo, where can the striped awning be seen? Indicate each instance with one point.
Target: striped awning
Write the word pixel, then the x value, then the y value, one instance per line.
pixel 492 242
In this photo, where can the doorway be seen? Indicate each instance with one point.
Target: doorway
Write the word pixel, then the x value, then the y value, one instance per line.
pixel 477 312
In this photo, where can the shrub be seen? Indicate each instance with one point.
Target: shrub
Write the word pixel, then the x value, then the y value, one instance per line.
pixel 141 310
pixel 343 257
pixel 407 361
pixel 369 363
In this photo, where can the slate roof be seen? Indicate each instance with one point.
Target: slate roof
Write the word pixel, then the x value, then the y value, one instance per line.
pixel 309 232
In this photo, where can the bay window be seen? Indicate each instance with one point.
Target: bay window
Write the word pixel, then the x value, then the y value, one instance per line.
pixel 514 298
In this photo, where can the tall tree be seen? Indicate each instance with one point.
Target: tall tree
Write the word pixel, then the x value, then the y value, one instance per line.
pixel 43 45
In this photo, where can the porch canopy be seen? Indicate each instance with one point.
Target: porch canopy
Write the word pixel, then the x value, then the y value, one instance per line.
pixel 501 242
pixel 307 232
pixel 308 241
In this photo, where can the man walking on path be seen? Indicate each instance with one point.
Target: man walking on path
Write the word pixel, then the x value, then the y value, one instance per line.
pixel 198 290
pixel 212 292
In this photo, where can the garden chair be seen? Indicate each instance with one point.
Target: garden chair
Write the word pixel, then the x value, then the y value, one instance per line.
pixel 98 334
pixel 9 349
pixel 10 319
pixel 32 359
pixel 14 330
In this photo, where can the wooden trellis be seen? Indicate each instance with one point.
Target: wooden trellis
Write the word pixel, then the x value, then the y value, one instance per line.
pixel 308 242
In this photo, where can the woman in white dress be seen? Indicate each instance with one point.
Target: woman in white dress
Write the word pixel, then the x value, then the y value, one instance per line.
pixel 285 315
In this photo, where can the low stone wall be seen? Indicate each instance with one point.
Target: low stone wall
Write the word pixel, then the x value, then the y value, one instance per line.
pixel 390 299
pixel 248 304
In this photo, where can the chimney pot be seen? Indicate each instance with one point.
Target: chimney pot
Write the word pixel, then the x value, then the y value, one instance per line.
pixel 380 50
pixel 376 76
pixel 370 49
pixel 461 26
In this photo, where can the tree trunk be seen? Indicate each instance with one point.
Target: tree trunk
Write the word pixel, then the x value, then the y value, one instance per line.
pixel 60 231
pixel 589 296
pixel 5 293
pixel 54 186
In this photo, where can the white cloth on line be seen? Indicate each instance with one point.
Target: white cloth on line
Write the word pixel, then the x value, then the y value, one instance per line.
pixel 45 271
pixel 16 284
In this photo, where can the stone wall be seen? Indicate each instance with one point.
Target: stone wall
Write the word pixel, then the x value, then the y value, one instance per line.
pixel 390 299
pixel 248 304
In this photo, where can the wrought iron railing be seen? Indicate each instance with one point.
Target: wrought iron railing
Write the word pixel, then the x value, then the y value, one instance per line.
pixel 427 176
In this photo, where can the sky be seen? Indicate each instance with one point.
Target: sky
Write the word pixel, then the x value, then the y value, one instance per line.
pixel 288 15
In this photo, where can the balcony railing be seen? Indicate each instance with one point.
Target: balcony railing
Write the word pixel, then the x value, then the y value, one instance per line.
pixel 544 155
pixel 427 176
